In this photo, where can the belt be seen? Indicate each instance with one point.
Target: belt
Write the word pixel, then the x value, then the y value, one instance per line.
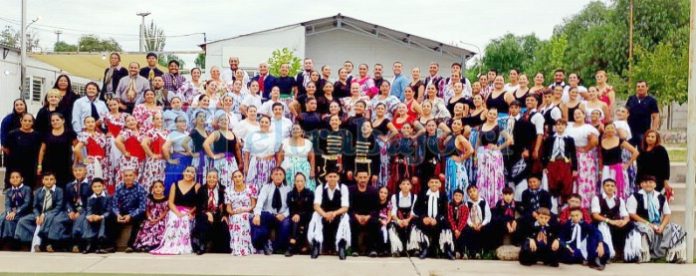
pixel 564 159
pixel 364 160
pixel 333 157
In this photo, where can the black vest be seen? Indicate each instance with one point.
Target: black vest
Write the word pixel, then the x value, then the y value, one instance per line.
pixel 334 204
pixel 404 212
pixel 611 213
pixel 482 206
pixel 549 122
pixel 642 210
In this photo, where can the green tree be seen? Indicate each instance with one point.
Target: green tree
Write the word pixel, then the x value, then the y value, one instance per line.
pixel 92 43
pixel 154 38
pixel 62 46
pixel 200 61
pixel 283 56
pixel 665 67
pixel 11 37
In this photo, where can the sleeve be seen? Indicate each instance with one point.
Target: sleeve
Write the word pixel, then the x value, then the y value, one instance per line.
pixel 344 196
pixel 664 164
pixel 622 208
pixel 413 205
pixel 394 206
pixel 556 113
pixel 58 201
pixel 106 213
pixel 7 202
pixel 665 209
pixel 76 118
pixel 261 200
pixel 114 202
pixel 594 206
pixel 318 194
pixel 487 211
pixel 653 107
pixel 631 205
pixel 538 121
pixel 5 129
pixel 89 208
pixel 138 212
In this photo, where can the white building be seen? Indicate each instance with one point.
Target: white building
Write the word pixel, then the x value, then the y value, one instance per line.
pixel 333 40
pixel 40 78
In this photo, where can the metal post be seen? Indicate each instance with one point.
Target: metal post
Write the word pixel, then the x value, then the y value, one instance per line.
pixel 142 30
pixel 23 49
pixel 691 146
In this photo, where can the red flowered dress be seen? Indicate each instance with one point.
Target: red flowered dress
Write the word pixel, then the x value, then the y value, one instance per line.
pixel 131 141
pixel 154 168
pixel 95 161
pixel 145 115
pixel 114 125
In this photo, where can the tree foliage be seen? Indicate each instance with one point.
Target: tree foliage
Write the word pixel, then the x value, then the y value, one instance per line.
pixel 164 60
pixel 597 39
pixel 11 37
pixel 282 56
pixel 200 61
pixel 154 38
pixel 62 46
pixel 92 43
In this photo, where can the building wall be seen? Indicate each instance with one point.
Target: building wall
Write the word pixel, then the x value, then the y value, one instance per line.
pixel 255 48
pixel 335 47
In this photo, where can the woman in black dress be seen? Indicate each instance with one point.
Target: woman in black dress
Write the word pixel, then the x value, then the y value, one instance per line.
pixel 55 154
pixel 22 150
pixel 68 98
pixel 50 106
pixel 12 120
pixel 653 160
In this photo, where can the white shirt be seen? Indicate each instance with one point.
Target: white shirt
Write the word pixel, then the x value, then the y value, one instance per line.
pixel 537 119
pixel 227 76
pixel 281 127
pixel 319 193
pixel 252 100
pixel 623 125
pixel 267 108
pixel 83 108
pixel 566 92
pixel 596 208
pixel 632 203
pixel 511 88
pixel 404 202
pixel 264 203
pixel 485 210
pixel 558 147
pixel 432 202
pixel 580 134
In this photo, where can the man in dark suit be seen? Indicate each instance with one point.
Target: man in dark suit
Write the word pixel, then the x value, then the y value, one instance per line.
pixel 266 81
pixel 112 75
pixel 304 77
pixel 151 71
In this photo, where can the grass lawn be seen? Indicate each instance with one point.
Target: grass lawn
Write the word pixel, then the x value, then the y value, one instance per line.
pixel 677 154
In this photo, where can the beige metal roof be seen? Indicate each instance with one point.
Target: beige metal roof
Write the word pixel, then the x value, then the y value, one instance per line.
pixel 87 65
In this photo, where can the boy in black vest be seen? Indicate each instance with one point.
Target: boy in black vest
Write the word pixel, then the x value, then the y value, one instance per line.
pixel 476 231
pixel 403 217
pixel 542 243
pixel 504 221
pixel 611 217
pixel 533 198
pixel 431 212
pixel 651 214
pixel 97 219
pixel 582 242
pixel 560 162
pixel 330 224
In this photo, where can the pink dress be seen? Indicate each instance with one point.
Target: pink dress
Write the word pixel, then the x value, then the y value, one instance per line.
pixel 240 230
pixel 144 116
pixel 154 168
pixel 150 234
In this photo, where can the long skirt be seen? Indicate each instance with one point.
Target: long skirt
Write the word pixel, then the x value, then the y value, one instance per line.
pixel 97 166
pixel 586 182
pixel 225 167
pixel 616 172
pixel 53 227
pixel 8 227
pixel 177 234
pixel 456 177
pixel 296 165
pixel 383 178
pixel 240 235
pixel 150 234
pixel 490 177
pixel 133 163
pixel 153 170
pixel 472 163
pixel 259 172
pixel 113 165
pixel 631 172
pixel 643 244
pixel 172 172
pixel 201 164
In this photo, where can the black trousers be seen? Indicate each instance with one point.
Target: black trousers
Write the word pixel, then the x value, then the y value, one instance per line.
pixel 371 231
pixel 298 230
pixel 432 232
pixel 542 254
pixel 476 241
pixel 216 233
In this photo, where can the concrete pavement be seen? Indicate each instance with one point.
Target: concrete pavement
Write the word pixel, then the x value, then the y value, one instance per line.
pixel 222 264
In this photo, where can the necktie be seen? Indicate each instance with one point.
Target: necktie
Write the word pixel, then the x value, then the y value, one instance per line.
pixel 151 75
pixel 432 205
pixel 95 114
pixel 277 202
pixel 77 198
pixel 535 200
pixel 475 214
pixel 48 200
pixel 261 79
pixel 16 197
pixel 653 212
pixel 211 200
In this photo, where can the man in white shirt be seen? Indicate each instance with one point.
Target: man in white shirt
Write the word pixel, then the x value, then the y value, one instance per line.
pixel 329 222
pixel 272 213
pixel 89 105
pixel 228 76
pixel 280 125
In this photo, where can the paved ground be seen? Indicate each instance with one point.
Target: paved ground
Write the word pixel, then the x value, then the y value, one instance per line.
pixel 14 263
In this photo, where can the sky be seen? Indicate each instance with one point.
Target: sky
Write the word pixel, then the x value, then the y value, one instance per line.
pixel 450 21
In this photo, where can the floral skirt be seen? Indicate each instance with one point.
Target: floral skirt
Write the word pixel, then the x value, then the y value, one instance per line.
pixel 618 174
pixel 472 163
pixel 225 167
pixel 173 172
pixel 296 165
pixel 240 235
pixel 177 234
pixel 456 177
pixel 631 172
pixel 150 234
pixel 96 168
pixel 153 170
pixel 383 178
pixel 586 183
pixel 490 178
pixel 259 172
pixel 130 162
pixel 113 162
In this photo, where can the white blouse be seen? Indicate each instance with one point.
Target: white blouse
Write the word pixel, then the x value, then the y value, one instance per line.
pixel 580 133
pixel 291 152
pixel 261 144
pixel 243 128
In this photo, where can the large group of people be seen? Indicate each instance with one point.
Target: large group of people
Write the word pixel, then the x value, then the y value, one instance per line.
pixel 358 165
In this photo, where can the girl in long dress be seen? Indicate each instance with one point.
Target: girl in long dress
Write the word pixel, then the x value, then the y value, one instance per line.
pixel 297 156
pixel 260 150
pixel 115 122
pixel 586 141
pixel 384 130
pixel 183 200
pixel 457 150
pixel 152 228
pixel 222 147
pixel 490 176
pixel 95 144
pixel 152 143
pixel 132 153
pixel 240 200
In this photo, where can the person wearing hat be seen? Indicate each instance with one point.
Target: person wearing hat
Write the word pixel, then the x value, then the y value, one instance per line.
pixel 151 71
pixel 329 224
pixel 560 162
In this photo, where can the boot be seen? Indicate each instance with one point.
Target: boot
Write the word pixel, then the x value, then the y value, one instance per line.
pixel 88 248
pixel 424 251
pixel 315 250
pixel 342 250
pixel 448 252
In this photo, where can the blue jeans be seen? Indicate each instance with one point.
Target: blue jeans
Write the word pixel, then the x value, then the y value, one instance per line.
pixel 260 234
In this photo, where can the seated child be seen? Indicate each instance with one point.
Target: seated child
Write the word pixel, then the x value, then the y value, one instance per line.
pixel 431 212
pixel 476 231
pixel 152 228
pixel 17 205
pixel 97 219
pixel 541 243
pixel 504 221
pixel 402 214
pixel 582 242
pixel 457 216
pixel 574 200
pixel 611 217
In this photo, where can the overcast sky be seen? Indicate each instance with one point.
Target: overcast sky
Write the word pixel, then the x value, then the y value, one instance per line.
pixel 472 21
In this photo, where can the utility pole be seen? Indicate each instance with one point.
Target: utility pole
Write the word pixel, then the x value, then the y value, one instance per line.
pixel 58 33
pixel 630 43
pixel 142 29
pixel 691 135
pixel 23 49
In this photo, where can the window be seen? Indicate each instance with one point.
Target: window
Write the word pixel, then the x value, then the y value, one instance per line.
pixel 36 87
pixel 25 88
pixel 79 88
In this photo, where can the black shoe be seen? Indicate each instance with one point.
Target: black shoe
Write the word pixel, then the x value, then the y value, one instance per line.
pixel 423 253
pixel 554 264
pixel 200 252
pixel 597 264
pixel 341 250
pixel 372 254
pixel 315 250
pixel 128 250
pixel 288 253
pixel 267 250
pixel 88 248
pixel 449 254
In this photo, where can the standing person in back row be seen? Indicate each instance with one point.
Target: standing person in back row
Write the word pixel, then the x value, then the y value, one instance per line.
pixel 151 71
pixel 112 76
pixel 229 76
pixel 644 113
pixel 399 83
